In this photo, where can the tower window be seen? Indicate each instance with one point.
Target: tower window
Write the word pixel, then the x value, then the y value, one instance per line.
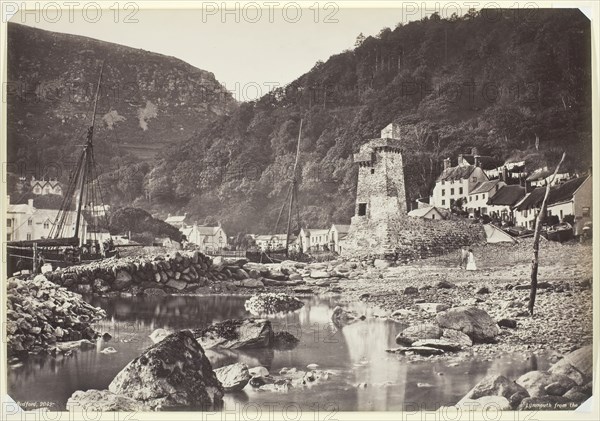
pixel 452 191
pixel 372 170
pixel 362 209
pixel 460 190
pixel 443 192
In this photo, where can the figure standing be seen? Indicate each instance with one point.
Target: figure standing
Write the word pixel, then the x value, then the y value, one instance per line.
pixel 464 254
pixel 471 261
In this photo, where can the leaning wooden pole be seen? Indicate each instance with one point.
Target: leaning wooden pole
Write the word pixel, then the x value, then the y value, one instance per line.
pixel 536 240
pixel 292 192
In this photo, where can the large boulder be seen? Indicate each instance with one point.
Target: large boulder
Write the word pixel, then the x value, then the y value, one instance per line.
pixel 581 360
pixel 458 337
pixel 537 382
pixel 172 374
pixel 103 401
pixel 495 385
pixel 122 280
pixel 418 332
pixel 236 334
pixel 233 377
pixel 341 317
pixel 472 321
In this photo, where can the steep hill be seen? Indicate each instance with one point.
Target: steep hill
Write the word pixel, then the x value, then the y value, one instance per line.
pixel 148 101
pixel 503 82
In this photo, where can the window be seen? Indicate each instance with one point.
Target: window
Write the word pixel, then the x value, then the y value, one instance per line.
pixel 474 179
pixel 443 192
pixel 470 198
pixel 476 197
pixel 443 202
pixel 29 222
pixel 362 209
pixel 561 214
pixel 451 202
pixel 28 236
pixel 460 190
pixel 46 225
pixel 451 192
pixel 372 170
pixel 432 216
pixel 8 237
pixel 585 211
pixel 9 222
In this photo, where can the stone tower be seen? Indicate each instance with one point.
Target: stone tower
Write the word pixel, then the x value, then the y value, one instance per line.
pixel 380 191
pixel 380 195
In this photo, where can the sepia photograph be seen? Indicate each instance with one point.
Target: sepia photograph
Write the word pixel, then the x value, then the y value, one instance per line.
pixel 299 210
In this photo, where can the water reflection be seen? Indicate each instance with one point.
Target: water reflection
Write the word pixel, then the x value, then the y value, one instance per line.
pixel 355 354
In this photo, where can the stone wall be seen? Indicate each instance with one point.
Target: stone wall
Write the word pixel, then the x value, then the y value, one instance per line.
pixel 404 238
pixel 186 272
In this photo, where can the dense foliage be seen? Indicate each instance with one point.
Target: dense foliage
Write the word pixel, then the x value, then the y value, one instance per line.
pixel 142 226
pixel 513 84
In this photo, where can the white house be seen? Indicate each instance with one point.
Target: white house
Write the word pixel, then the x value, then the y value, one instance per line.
pixel 500 205
pixel 527 210
pixel 177 220
pixel 479 196
pixel 314 239
pixel 25 222
pixel 455 183
pixel 43 186
pixel 206 238
pixel 336 233
pixel 427 213
pixel 542 176
pixel 572 198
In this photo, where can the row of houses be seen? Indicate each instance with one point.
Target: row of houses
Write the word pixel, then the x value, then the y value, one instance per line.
pixel 308 239
pixel 470 186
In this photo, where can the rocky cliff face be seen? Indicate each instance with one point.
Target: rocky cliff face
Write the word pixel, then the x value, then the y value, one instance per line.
pixel 147 101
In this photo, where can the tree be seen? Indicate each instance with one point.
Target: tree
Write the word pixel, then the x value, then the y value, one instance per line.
pixel 359 40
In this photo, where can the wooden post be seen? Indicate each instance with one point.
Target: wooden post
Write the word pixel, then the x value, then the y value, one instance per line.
pixel 536 240
pixel 35 259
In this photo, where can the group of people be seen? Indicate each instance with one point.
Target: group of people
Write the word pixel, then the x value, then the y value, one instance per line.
pixel 467 259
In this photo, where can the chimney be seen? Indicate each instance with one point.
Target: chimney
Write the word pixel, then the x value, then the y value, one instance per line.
pixel 504 174
pixel 30 204
pixel 447 163
pixel 474 151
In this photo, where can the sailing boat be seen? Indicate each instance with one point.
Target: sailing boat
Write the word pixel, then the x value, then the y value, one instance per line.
pixel 72 242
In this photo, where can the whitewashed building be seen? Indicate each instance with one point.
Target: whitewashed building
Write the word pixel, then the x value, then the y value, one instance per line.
pixel 25 222
pixel 573 197
pixel 206 238
pixel 455 183
pixel 428 213
pixel 478 198
pixel 336 234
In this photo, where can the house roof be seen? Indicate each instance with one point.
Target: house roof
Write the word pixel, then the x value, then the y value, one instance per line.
pixel 539 174
pixel 421 212
pixel 533 199
pixel 564 192
pixel 341 228
pixel 456 173
pixel 507 196
pixel 202 230
pixel 175 218
pixel 485 186
pixel 485 162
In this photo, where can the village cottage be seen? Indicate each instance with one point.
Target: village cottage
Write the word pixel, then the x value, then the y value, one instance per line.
pixel 501 205
pixel 25 222
pixel 336 234
pixel 573 197
pixel 455 183
pixel 206 238
pixel 477 201
pixel 428 213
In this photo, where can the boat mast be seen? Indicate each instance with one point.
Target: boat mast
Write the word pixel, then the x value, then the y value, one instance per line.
pixel 86 154
pixel 292 193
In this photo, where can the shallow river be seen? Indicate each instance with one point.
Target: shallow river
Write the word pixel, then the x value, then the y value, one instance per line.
pixel 355 355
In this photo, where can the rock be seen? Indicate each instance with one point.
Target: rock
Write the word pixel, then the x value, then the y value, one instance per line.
pixel 173 373
pixel 445 285
pixel 456 336
pixel 252 283
pixel 284 340
pixel 510 323
pixel 103 401
pixel 122 280
pixel 258 267
pixel 403 313
pixel 536 381
pixel 483 290
pixel 418 332
pixel 319 274
pixel 154 292
pixel 312 366
pixel 106 336
pixel 473 321
pixel 577 396
pixel 565 368
pixel 547 403
pixel 438 343
pixel 270 303
pixel 494 385
pixel 555 389
pixel 341 317
pixel 233 377
pixel 159 334
pixel 236 334
pixel 381 263
pixel 432 308
pixel 259 371
pixel 582 359
pixel 178 285
pixel 540 285
pixel 108 350
pixel 419 350
pixel 411 290
pixel 496 403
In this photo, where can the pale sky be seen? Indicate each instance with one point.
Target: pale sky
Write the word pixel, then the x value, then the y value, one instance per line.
pixel 246 57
